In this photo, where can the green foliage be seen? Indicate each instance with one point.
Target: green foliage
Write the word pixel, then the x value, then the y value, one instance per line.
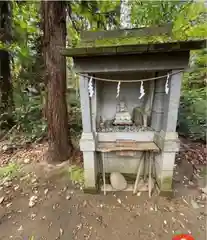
pixel 188 17
pixel 26 72
pixel 193 107
pixel 95 15
pixel 25 22
pixel 192 114
pixel 148 13
pixel 28 118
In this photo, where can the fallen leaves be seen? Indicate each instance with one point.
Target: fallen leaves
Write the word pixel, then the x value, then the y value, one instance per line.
pixel 194 204
pixel 61 231
pixel 193 152
pixel 2 199
pixel 68 197
pixel 32 201
pixel 119 200
pixel 46 191
pixel 27 160
pixel 20 229
pixel 33 215
pixel 9 204
pixel 204 190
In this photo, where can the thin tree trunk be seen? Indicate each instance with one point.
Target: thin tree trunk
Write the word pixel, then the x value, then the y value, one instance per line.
pixel 6 100
pixel 54 28
pixel 6 86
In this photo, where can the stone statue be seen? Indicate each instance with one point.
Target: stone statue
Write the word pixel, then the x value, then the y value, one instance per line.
pixel 122 116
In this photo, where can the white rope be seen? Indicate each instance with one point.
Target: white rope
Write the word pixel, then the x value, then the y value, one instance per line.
pixel 142 93
pixel 167 84
pixel 118 89
pixel 140 80
pixel 90 87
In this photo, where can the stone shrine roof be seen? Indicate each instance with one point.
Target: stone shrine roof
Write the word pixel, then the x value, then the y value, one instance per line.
pixel 131 41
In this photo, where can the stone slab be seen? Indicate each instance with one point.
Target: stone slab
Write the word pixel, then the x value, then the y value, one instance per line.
pixel 114 163
pixel 136 136
pixel 131 146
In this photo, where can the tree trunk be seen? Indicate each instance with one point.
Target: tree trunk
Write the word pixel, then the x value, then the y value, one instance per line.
pixel 54 28
pixel 6 100
pixel 6 86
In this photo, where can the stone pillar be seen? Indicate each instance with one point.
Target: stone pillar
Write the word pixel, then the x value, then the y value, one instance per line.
pixel 169 144
pixel 158 105
pixel 171 102
pixel 87 141
pixel 167 138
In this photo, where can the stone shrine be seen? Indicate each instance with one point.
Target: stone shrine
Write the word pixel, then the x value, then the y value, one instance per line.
pixel 129 101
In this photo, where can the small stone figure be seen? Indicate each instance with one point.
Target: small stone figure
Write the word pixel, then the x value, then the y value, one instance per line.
pixel 122 106
pixel 122 116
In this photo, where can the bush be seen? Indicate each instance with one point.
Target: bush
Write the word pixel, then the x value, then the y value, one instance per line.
pixel 28 118
pixel 192 114
pixel 193 106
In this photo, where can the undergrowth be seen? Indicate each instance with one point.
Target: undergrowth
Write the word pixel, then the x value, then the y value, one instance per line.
pixel 9 171
pixel 76 174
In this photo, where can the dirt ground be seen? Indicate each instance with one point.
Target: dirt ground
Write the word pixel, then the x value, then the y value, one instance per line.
pixel 59 210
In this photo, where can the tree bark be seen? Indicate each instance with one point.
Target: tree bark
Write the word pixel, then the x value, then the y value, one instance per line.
pixel 54 28
pixel 6 99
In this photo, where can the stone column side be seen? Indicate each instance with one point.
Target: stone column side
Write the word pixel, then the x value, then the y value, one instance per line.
pixel 172 101
pixel 87 146
pixel 158 105
pixel 85 105
pixel 169 144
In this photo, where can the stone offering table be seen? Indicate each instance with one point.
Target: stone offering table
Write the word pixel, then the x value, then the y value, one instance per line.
pixel 109 75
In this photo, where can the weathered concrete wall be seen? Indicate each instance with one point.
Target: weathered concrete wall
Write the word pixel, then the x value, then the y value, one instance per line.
pixel 123 164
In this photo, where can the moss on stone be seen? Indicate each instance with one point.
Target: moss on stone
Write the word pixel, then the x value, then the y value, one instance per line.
pixel 76 174
pixel 91 190
pixel 168 194
pixel 125 41
pixel 166 184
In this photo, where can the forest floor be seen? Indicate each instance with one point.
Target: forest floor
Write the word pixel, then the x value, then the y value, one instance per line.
pixel 39 202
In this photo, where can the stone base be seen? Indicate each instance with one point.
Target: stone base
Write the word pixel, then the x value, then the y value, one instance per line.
pixel 168 142
pixel 87 146
pixel 168 194
pixel 91 190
